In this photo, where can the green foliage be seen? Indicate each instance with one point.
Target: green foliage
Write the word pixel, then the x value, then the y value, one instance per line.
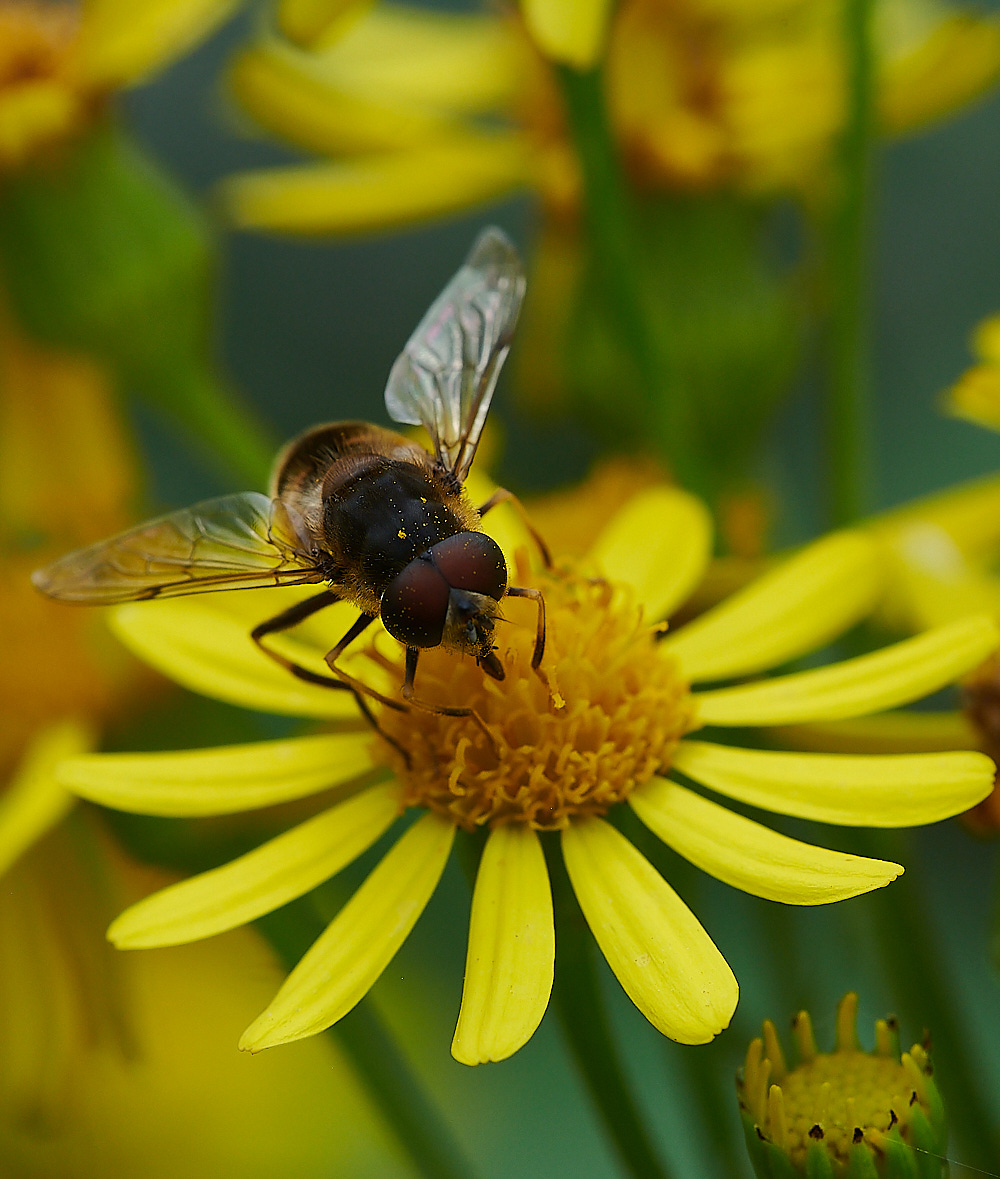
pixel 101 252
pixel 725 325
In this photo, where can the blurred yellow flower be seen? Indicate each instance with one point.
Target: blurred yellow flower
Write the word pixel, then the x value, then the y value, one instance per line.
pixel 125 1066
pixel 67 476
pixel 59 61
pixel 610 715
pixel 976 395
pixel 423 113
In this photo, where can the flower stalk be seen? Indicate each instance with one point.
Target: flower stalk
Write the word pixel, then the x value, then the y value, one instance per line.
pixel 911 961
pixel 847 278
pixel 611 222
pixel 407 1108
pixel 580 1006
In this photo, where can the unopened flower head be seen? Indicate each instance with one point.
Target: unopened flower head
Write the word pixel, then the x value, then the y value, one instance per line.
pixel 843 1113
pixel 549 754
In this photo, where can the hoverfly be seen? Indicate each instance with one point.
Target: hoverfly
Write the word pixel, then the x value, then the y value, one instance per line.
pixel 386 525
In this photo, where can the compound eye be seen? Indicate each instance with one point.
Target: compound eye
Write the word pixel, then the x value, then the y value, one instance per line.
pixel 415 605
pixel 472 561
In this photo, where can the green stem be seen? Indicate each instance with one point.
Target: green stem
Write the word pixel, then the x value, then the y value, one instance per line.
pixel 912 964
pixel 611 221
pixel 846 267
pixel 580 1007
pixel 406 1107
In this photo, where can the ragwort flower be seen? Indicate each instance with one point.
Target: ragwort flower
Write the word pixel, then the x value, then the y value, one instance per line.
pixel 611 715
pixel 59 62
pixel 940 555
pixel 421 113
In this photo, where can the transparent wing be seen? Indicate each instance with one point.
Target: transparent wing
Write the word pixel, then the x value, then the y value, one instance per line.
pixel 233 542
pixel 445 376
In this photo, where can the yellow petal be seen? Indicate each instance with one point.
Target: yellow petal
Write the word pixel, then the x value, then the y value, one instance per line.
pixel 123 40
pixel 885 732
pixel 457 63
pixel 895 675
pixel 278 89
pixel 790 610
pixel 511 956
pixel 668 965
pixel 969 514
pixel 957 62
pixel 219 781
pixel 853 791
pixel 750 856
pixel 986 339
pixel 380 192
pixel 359 943
pixel 34 801
pixel 307 22
pixel 207 648
pixel 931 582
pixel 570 31
pixel 659 544
pixel 262 880
pixel 975 397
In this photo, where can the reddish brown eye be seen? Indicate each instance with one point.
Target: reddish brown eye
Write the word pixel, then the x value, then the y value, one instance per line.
pixel 415 605
pixel 472 561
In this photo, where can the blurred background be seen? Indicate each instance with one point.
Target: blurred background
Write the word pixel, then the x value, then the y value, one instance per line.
pixel 308 328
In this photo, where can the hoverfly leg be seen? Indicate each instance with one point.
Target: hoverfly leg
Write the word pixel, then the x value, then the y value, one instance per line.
pixel 491 665
pixel 372 719
pixel 292 617
pixel 503 496
pixel 412 655
pixel 361 624
pixel 515 591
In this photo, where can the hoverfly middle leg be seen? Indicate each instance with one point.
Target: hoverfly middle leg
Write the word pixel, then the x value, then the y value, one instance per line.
pixel 503 496
pixel 412 655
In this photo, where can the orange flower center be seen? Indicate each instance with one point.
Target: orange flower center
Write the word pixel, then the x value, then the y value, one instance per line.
pixel 41 98
pixel 604 715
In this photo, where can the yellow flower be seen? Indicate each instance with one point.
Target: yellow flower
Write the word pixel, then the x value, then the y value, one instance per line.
pixel 67 477
pixel 612 712
pixel 940 556
pixel 424 113
pixel 59 61
pixel 118 1065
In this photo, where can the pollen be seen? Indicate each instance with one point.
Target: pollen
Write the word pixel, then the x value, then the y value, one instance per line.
pixel 602 714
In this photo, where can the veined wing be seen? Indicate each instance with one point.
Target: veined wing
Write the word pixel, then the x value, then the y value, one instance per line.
pixel 445 376
pixel 235 542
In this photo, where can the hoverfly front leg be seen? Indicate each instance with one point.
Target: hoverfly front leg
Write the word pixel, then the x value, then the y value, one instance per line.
pixel 516 591
pixel 363 622
pixel 285 621
pixel 503 496
pixel 412 655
